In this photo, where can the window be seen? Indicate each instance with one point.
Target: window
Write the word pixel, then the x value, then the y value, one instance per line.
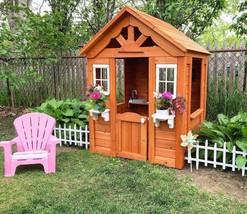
pixel 166 78
pixel 101 77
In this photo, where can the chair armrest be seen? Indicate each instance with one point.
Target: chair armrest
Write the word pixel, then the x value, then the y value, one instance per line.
pixel 55 140
pixel 6 144
pixel 51 145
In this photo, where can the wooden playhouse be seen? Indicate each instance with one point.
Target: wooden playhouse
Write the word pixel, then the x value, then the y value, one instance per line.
pixel 134 55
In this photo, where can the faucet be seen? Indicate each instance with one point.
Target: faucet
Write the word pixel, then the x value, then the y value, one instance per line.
pixel 134 94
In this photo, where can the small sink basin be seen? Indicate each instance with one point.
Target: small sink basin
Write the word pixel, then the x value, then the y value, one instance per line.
pixel 140 100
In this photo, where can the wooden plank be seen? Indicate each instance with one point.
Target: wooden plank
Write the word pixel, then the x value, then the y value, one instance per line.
pixel 165 144
pixel 169 162
pixel 151 109
pixel 166 60
pixel 126 140
pixel 129 116
pixel 135 138
pixel 102 126
pixel 131 155
pixel 167 153
pixel 194 124
pixel 131 33
pixel 141 52
pixel 102 143
pixel 113 105
pixel 102 150
pixel 158 39
pixel 102 135
pixel 120 39
pixel 143 141
pixel 141 39
pixel 180 118
pixel 167 135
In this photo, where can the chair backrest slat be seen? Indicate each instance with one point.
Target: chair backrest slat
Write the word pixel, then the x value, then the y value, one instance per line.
pixel 34 130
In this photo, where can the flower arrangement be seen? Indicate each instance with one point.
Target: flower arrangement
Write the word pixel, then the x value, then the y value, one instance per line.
pixel 95 98
pixel 164 101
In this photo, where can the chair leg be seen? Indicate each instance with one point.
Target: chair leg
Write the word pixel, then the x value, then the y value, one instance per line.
pixel 8 164
pixel 52 163
pixel 46 168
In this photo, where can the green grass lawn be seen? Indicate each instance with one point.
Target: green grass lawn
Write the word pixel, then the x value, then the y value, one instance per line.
pixel 91 183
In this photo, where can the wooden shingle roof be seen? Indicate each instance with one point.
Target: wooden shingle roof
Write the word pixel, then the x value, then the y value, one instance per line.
pixel 164 29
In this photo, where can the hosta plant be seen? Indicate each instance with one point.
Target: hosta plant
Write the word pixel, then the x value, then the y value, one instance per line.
pixel 233 131
pixel 66 111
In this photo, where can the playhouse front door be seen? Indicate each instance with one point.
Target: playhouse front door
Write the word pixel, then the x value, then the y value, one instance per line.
pixel 131 136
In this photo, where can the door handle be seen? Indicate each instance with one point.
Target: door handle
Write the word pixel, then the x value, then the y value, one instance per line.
pixel 143 120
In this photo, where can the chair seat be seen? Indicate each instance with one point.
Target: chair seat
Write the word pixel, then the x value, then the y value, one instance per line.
pixel 30 155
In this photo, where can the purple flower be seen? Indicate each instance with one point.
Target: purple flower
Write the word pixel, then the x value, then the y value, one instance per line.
pixel 167 95
pixel 95 95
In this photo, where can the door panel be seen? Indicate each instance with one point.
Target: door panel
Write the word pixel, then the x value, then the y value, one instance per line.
pixel 131 136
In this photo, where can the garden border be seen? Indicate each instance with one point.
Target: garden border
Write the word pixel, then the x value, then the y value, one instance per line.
pixel 215 162
pixel 77 135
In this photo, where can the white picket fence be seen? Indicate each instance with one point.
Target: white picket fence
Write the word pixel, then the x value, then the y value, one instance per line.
pixel 215 162
pixel 73 135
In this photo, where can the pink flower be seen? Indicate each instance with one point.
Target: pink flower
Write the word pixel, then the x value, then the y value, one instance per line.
pixel 95 95
pixel 167 95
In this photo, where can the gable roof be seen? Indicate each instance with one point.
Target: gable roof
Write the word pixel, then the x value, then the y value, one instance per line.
pixel 167 31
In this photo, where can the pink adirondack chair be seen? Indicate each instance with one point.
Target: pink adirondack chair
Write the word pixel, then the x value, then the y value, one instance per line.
pixel 35 143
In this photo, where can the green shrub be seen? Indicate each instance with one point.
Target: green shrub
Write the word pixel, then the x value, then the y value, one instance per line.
pixel 66 111
pixel 233 131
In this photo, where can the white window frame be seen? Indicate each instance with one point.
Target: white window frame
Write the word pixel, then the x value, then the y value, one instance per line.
pixel 158 66
pixel 100 66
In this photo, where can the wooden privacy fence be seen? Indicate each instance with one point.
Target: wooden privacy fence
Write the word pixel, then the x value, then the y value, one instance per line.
pixel 227 68
pixel 63 79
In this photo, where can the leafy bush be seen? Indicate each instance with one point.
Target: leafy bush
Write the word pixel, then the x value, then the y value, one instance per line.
pixel 66 111
pixel 233 131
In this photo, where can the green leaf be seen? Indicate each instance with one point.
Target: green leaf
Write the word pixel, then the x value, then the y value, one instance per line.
pixel 241 161
pixel 226 132
pixel 223 119
pixel 244 131
pixel 219 141
pixel 83 116
pixel 208 124
pixel 207 132
pixel 68 113
pixel 229 146
pixel 65 120
pixel 235 119
pixel 78 122
pixel 53 104
pixel 242 144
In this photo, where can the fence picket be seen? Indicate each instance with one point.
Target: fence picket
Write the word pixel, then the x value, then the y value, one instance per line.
pixel 67 137
pixel 206 153
pixel 224 156
pixel 233 158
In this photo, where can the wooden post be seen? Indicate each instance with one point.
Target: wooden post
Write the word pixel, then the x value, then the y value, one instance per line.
pixel 151 109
